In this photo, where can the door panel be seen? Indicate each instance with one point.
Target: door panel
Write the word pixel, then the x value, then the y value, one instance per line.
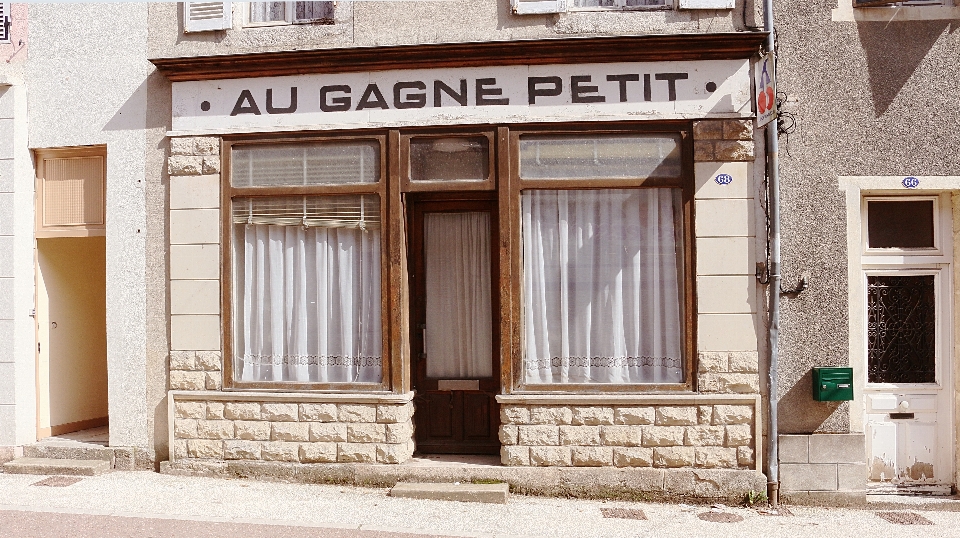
pixel 456 371
pixel 909 442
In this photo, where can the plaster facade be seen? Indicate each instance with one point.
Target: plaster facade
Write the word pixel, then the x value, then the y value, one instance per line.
pixel 168 398
pixel 853 81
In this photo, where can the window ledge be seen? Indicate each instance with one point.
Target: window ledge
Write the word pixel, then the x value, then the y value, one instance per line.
pixel 845 12
pixel 292 397
pixel 626 399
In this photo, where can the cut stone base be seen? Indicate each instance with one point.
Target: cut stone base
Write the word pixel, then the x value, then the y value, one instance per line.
pixel 592 483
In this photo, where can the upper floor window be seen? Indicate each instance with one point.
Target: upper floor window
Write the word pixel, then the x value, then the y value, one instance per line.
pixel 902 3
pixel 273 13
pixel 618 4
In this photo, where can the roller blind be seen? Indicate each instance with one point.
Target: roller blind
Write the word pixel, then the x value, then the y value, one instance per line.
pixel 346 211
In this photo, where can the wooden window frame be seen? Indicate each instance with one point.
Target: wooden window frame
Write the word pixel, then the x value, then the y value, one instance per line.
pixel 510 196
pixel 76 230
pixel 380 188
pixel 506 186
pixel 289 16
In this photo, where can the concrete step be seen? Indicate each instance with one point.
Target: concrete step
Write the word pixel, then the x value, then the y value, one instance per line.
pixel 466 492
pixel 48 466
pixel 67 451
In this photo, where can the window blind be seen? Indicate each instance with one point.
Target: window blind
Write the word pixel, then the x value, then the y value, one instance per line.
pixel 347 211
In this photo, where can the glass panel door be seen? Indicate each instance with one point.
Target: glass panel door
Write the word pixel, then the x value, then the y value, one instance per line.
pixel 456 326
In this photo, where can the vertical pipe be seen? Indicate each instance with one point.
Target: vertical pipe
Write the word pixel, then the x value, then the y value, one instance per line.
pixel 772 153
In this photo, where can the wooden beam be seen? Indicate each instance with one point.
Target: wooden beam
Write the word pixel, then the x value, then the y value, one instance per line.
pixel 644 48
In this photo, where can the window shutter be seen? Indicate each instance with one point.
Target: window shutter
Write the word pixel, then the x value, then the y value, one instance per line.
pixel 70 192
pixel 706 4
pixel 4 22
pixel 525 7
pixel 206 16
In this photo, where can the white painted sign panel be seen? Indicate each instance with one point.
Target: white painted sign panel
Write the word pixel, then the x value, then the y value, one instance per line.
pixel 766 87
pixel 448 96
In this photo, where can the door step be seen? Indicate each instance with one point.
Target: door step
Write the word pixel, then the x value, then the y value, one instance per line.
pixel 50 466
pixel 67 451
pixel 465 492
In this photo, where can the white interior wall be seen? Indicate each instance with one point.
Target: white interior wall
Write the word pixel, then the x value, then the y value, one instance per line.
pixel 71 294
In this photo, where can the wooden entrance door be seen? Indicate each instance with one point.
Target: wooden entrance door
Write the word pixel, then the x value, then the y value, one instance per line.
pixel 455 325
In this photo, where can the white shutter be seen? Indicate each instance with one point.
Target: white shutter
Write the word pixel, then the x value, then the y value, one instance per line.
pixel 4 22
pixel 706 4
pixel 205 16
pixel 524 7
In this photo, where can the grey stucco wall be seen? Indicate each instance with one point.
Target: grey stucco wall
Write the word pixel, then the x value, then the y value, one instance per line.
pixel 870 98
pixel 413 22
pixel 95 91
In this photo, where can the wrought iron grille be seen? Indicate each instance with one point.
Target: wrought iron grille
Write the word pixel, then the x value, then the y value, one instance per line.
pixel 901 329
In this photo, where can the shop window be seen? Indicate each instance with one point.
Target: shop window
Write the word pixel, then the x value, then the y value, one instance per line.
pixel 305 263
pixel 603 268
pixel 274 13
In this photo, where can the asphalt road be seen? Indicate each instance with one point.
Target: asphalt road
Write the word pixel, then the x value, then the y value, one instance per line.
pixel 23 524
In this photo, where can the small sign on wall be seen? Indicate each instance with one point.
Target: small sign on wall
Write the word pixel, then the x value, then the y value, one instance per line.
pixel 766 89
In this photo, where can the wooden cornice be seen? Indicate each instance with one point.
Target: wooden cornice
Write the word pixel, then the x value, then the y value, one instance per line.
pixel 646 48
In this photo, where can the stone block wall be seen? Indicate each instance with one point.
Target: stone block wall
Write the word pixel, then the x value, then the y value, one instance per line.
pixel 674 435
pixel 729 372
pixel 723 140
pixel 823 468
pixel 195 370
pixel 298 432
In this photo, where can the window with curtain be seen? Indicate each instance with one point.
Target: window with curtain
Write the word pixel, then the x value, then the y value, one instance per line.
pixel 603 280
pixel 306 268
pixel 601 286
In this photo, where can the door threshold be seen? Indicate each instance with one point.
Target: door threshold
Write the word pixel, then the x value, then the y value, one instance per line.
pixel 907 490
pixel 453 460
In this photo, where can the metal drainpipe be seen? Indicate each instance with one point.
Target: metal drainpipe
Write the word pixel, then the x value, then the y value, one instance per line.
pixel 773 465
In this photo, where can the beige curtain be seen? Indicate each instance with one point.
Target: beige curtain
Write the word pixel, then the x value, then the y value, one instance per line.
pixel 459 332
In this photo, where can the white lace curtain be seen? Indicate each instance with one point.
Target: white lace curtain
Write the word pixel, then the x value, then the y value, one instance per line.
pixel 307 303
pixel 459 323
pixel 601 286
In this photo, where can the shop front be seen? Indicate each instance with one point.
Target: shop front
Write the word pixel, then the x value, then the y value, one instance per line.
pixel 542 250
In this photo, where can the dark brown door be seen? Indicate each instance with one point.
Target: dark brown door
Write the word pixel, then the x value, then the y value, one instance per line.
pixel 456 326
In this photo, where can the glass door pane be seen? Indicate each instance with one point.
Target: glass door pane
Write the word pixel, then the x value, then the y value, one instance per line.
pixel 458 329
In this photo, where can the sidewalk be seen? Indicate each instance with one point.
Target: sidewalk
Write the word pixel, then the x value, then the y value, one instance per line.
pixel 151 495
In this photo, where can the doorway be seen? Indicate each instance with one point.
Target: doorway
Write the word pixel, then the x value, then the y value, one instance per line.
pixel 71 290
pixel 71 335
pixel 908 390
pixel 455 325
